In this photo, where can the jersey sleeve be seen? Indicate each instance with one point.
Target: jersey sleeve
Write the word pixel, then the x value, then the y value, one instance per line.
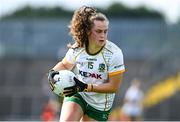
pixel 116 65
pixel 70 56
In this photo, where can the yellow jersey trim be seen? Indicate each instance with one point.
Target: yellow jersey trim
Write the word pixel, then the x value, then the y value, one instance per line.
pixel 115 73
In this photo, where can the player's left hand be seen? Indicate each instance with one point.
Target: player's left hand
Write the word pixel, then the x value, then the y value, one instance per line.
pixel 78 87
pixel 51 80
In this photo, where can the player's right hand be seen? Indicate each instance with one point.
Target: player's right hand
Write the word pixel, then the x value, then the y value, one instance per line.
pixel 78 87
pixel 51 80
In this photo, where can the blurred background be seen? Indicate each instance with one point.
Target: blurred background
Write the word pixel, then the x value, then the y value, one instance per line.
pixel 34 35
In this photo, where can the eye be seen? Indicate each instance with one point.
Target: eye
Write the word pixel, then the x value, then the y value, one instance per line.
pixel 98 31
pixel 105 31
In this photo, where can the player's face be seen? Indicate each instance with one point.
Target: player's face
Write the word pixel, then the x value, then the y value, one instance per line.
pixel 98 33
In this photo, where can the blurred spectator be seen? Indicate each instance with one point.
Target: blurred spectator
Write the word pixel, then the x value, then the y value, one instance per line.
pixel 132 107
pixel 50 111
pixel 52 106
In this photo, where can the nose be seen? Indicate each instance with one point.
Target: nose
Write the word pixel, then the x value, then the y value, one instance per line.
pixel 103 35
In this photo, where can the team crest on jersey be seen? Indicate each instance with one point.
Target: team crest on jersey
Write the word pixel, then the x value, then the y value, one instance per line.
pixel 101 67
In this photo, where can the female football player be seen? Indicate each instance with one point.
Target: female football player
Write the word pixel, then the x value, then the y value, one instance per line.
pixel 99 65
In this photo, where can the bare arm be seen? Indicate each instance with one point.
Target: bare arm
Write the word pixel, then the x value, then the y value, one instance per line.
pixel 63 65
pixel 111 86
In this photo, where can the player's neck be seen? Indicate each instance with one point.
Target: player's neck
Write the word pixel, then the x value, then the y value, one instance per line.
pixel 93 49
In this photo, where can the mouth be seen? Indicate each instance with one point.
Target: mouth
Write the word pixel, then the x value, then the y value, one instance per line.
pixel 101 40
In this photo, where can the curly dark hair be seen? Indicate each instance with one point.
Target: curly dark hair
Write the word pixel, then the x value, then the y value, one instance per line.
pixel 81 23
